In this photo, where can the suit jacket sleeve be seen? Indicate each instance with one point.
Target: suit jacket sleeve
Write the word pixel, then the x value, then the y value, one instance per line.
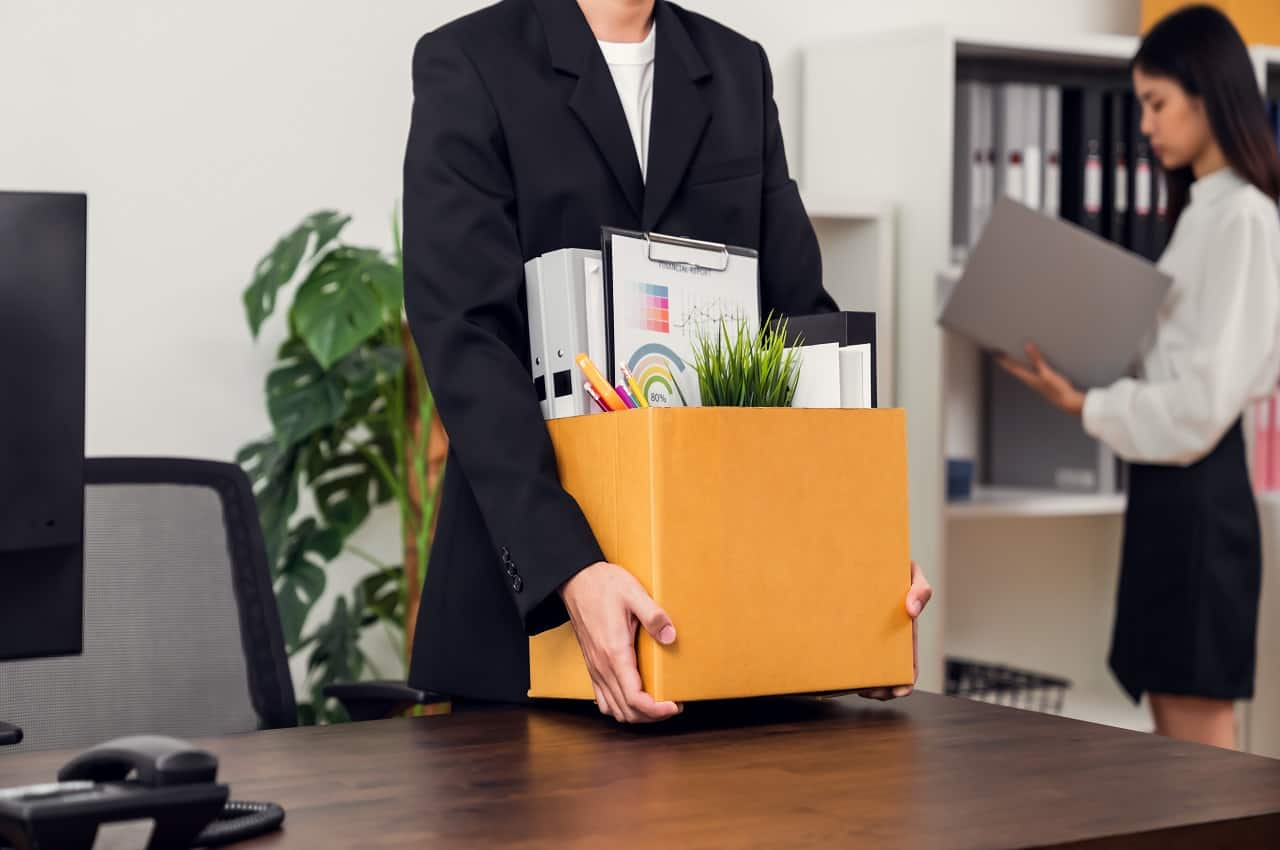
pixel 790 262
pixel 464 294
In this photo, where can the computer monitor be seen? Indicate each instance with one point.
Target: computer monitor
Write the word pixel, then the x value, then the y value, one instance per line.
pixel 42 366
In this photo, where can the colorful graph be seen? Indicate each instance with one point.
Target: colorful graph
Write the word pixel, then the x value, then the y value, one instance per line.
pixel 656 368
pixel 654 313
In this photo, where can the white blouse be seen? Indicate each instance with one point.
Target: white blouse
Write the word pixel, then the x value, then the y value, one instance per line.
pixel 1217 341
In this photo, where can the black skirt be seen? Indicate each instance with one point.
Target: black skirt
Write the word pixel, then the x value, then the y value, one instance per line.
pixel 1187 607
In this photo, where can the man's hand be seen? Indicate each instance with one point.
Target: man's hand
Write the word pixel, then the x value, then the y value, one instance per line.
pixel 918 596
pixel 606 603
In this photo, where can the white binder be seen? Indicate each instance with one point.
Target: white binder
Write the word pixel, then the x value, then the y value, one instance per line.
pixel 1033 144
pixel 1051 121
pixel 974 185
pixel 1010 127
pixel 562 283
pixel 537 351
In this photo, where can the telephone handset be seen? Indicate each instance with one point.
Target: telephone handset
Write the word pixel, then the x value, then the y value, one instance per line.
pixel 145 777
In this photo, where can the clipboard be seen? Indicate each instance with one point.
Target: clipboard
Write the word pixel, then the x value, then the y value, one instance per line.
pixel 657 290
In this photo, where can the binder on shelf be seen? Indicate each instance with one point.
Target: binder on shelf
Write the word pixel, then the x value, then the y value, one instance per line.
pixel 1160 220
pixel 1027 442
pixel 1116 178
pixel 1141 185
pixel 1009 128
pixel 1032 100
pixel 660 291
pixel 1051 124
pixel 846 329
pixel 974 183
pixel 1082 158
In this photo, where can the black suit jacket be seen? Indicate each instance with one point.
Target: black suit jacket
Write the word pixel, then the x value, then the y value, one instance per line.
pixel 519 146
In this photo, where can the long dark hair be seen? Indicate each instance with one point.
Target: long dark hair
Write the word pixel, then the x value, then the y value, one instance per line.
pixel 1198 48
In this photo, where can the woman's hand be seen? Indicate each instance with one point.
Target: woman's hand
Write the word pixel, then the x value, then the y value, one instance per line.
pixel 918 596
pixel 1042 378
pixel 606 603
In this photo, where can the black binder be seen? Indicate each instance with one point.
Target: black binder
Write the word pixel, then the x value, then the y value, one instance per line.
pixel 1142 185
pixel 846 328
pixel 1083 158
pixel 1116 177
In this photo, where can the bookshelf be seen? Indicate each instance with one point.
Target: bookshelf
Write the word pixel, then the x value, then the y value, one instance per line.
pixel 1022 577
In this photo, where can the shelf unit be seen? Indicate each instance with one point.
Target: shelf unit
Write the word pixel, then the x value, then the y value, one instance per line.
pixel 1008 503
pixel 1025 578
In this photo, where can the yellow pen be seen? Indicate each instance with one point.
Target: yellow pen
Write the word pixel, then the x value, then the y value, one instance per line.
pixel 608 394
pixel 635 388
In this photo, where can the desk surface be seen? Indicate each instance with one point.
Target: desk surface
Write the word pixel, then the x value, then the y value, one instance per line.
pixel 923 772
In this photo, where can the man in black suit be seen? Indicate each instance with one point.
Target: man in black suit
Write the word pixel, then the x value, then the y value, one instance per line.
pixel 524 140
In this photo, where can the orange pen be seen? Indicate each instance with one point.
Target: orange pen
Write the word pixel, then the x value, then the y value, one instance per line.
pixel 606 392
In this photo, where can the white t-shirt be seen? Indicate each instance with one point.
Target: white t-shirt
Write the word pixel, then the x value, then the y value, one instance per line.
pixel 1217 344
pixel 632 67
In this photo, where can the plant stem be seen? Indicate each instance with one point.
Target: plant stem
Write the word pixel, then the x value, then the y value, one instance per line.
pixel 361 553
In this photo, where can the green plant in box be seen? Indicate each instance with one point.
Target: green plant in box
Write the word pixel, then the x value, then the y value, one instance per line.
pixel 746 368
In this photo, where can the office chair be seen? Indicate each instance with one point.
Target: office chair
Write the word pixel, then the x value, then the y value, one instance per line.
pixel 181 632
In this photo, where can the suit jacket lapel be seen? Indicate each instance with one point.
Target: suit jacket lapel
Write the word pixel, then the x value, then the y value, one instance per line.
pixel 680 113
pixel 595 97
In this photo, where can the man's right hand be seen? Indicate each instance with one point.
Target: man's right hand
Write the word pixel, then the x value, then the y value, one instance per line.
pixel 606 603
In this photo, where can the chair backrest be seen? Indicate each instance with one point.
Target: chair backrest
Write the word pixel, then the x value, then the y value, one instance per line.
pixel 181 632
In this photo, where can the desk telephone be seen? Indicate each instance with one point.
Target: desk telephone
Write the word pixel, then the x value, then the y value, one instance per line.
pixel 134 779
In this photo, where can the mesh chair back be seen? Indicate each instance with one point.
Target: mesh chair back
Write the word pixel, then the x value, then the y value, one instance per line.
pixel 181 632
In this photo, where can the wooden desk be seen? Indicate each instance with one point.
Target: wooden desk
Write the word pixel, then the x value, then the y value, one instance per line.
pixel 924 772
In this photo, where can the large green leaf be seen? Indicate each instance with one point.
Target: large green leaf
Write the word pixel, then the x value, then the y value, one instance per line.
pixel 301 396
pixel 385 597
pixel 273 472
pixel 343 491
pixel 300 577
pixel 278 267
pixel 335 654
pixel 363 369
pixel 343 302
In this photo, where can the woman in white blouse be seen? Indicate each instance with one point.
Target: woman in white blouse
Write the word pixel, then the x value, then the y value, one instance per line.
pixel 1187 607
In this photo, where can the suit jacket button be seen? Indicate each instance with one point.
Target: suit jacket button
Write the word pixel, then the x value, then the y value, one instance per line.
pixel 517 583
pixel 512 571
pixel 506 554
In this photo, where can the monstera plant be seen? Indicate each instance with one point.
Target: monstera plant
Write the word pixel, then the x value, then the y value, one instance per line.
pixel 354 427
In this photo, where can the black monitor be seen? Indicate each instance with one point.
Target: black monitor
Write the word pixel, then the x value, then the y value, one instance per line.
pixel 42 365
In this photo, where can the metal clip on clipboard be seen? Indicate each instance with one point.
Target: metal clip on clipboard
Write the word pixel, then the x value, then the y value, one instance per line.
pixel 694 244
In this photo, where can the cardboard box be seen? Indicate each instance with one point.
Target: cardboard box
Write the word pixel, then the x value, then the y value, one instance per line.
pixel 777 540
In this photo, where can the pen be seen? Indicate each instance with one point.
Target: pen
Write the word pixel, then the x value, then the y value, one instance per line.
pixel 626 397
pixel 595 396
pixel 607 394
pixel 635 388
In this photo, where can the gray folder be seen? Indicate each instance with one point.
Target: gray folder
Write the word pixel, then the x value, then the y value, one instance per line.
pixel 1087 303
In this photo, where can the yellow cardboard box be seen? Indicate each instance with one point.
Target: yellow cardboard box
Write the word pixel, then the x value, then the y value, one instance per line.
pixel 777 540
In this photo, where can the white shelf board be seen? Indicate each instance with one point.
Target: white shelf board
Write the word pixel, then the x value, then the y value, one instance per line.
pixel 1078 49
pixel 827 205
pixel 1000 502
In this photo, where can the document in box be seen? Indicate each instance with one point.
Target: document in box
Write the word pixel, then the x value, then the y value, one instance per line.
pixel 833 375
pixel 662 293
pixel 1087 303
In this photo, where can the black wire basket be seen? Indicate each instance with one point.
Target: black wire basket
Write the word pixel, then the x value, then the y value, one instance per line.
pixel 1003 685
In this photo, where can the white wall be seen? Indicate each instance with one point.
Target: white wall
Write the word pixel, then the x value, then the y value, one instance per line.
pixel 202 131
